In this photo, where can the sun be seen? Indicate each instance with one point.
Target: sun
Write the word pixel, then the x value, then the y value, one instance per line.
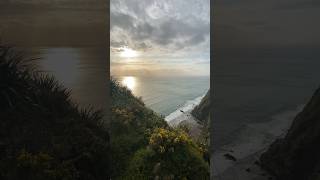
pixel 129 82
pixel 128 53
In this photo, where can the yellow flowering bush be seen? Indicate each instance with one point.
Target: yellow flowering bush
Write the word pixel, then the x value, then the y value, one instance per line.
pixel 171 154
pixel 164 140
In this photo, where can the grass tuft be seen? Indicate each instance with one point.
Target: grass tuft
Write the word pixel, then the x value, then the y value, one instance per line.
pixel 39 119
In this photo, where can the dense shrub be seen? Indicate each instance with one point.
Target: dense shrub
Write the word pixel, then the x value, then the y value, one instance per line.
pixel 129 125
pixel 144 146
pixel 43 134
pixel 171 154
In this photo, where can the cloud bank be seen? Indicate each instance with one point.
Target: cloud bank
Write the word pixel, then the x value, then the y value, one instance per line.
pixel 163 31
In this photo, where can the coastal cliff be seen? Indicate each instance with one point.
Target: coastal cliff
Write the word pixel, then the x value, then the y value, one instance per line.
pixel 296 156
pixel 202 111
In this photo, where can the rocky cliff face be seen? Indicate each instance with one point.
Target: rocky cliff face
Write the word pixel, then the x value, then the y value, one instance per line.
pixel 202 111
pixel 297 155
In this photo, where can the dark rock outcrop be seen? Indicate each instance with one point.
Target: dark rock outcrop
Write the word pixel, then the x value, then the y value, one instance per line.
pixel 297 155
pixel 202 111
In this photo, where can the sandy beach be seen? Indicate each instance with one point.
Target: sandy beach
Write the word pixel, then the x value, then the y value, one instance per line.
pixel 247 148
pixel 246 168
pixel 187 119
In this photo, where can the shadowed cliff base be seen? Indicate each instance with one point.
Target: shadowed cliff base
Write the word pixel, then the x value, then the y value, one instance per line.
pixel 296 156
pixel 202 111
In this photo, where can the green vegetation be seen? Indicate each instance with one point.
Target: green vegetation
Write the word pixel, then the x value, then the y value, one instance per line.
pixel 43 134
pixel 144 146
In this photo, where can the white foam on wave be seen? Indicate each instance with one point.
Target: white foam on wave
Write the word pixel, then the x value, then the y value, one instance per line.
pixel 186 108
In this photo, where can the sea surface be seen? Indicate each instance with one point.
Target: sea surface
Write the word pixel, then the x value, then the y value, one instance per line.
pixel 165 95
pixel 83 70
pixel 254 96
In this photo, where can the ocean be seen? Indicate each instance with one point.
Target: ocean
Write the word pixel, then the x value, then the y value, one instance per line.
pixel 255 101
pixel 165 95
pixel 83 70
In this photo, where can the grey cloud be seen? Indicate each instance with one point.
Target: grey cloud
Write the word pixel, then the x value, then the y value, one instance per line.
pixel 143 31
pixel 174 30
pixel 196 39
pixel 169 31
pixel 121 20
pixel 118 43
pixel 142 46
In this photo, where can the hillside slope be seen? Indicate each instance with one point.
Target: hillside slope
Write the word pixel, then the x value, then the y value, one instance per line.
pixel 145 147
pixel 43 134
pixel 297 156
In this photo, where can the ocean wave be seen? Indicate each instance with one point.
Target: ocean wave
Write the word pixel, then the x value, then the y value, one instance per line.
pixel 187 107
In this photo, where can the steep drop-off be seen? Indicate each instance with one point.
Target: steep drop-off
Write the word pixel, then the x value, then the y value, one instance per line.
pixel 202 111
pixel 296 156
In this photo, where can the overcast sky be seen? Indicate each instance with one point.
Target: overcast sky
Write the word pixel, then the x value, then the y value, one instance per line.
pixel 168 37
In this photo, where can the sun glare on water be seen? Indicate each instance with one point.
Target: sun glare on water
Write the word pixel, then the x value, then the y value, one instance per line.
pixel 129 82
pixel 128 53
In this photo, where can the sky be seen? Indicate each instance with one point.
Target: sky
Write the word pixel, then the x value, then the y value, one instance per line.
pixel 160 38
pixel 286 26
pixel 54 22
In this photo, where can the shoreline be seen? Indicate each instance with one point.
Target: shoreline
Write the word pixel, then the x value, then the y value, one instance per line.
pixel 183 116
pixel 184 112
pixel 247 151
